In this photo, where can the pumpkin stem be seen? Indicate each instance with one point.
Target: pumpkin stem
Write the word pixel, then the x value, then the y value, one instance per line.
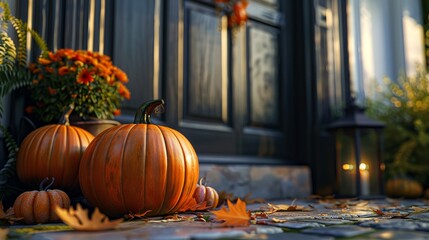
pixel 146 109
pixel 43 183
pixel 66 115
pixel 202 181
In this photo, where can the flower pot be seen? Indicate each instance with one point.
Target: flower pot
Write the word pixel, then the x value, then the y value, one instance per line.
pixel 95 126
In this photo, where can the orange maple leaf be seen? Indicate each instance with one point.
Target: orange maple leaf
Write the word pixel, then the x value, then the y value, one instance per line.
pixel 237 215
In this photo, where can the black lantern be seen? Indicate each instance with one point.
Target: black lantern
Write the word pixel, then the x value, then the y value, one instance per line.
pixel 358 150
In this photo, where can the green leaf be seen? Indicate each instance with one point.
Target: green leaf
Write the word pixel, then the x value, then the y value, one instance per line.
pixel 9 169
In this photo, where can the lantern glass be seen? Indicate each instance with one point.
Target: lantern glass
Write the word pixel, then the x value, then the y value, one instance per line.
pixel 358 162
pixel 346 173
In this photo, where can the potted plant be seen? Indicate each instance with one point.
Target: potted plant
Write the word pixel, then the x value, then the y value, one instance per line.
pixel 404 107
pixel 85 79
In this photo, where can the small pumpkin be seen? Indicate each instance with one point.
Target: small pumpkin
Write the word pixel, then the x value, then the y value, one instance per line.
pixel 403 187
pixel 204 193
pixel 39 206
pixel 55 151
pixel 134 168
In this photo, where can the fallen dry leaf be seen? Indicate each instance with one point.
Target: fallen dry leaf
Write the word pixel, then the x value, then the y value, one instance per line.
pixel 78 219
pixel 261 215
pixel 178 218
pixel 343 203
pixel 278 220
pixel 131 216
pixel 237 215
pixel 8 216
pixel 288 208
pixel 418 209
pixel 192 205
pixel 379 212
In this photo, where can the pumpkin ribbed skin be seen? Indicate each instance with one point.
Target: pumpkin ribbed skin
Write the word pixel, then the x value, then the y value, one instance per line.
pixel 139 167
pixel 39 206
pixel 53 151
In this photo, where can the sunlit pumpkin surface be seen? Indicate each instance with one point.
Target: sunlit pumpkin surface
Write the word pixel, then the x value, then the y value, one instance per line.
pixel 53 151
pixel 133 168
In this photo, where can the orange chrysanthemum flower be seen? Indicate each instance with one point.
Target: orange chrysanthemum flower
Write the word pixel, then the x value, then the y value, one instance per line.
pixel 63 70
pixel 123 91
pixel 79 63
pixel 121 76
pixel 117 112
pixel 68 53
pixel 78 57
pixel 103 71
pixel 85 77
pixel 49 69
pixel 44 61
pixel 93 61
pixel 54 57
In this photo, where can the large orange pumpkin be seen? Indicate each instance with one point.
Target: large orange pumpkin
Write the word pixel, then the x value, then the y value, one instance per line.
pixel 137 167
pixel 55 151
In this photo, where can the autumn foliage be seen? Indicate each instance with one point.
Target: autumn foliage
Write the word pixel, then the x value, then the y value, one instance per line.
pixel 78 219
pixel 236 215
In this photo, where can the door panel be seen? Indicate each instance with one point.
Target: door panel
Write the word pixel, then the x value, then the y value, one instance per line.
pixel 205 107
pixel 206 86
pixel 135 48
pixel 263 134
pixel 263 76
pixel 231 91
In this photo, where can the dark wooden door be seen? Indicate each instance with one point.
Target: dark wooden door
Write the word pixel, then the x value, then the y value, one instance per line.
pixel 230 95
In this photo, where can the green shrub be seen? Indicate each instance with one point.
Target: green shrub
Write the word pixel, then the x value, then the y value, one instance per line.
pixel 404 107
